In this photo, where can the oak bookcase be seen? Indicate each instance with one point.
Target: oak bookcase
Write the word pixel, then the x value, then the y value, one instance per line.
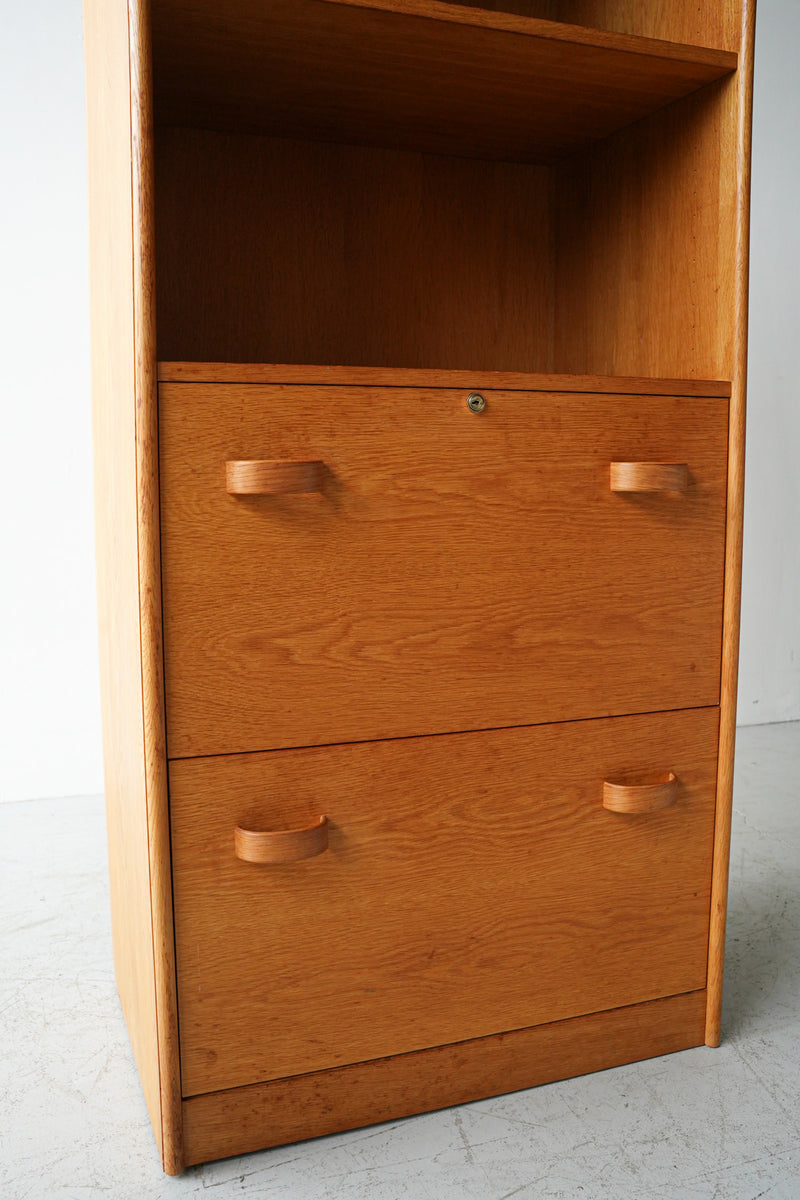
pixel 419 340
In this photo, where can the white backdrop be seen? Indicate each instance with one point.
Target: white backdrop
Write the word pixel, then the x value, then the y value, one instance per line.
pixel 49 707
pixel 769 672
pixel 49 711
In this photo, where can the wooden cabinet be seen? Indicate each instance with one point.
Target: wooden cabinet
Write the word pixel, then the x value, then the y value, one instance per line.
pixel 418 360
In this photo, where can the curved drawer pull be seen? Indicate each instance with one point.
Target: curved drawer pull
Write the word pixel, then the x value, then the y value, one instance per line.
pixel 282 845
pixel 272 478
pixel 649 477
pixel 641 798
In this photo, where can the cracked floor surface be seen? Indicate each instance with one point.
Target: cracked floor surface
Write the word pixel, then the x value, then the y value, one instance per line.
pixel 701 1125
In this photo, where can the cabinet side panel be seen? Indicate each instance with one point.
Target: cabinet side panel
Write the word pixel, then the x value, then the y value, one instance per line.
pixel 647 243
pixel 126 603
pixel 646 246
pixel 736 177
pixel 114 418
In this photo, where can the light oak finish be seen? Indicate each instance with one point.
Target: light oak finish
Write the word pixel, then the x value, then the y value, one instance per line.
pixel 413 74
pixel 264 478
pixel 545 201
pixel 473 883
pixel 220 1124
pixel 448 575
pixel 149 550
pixel 738 169
pixel 649 477
pixel 644 244
pixel 641 797
pixel 128 578
pixel 281 846
pixel 611 385
pixel 529 269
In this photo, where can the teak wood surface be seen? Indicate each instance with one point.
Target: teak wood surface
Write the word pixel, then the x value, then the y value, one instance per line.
pixel 457 571
pixel 473 883
pixel 415 74
pixel 219 1124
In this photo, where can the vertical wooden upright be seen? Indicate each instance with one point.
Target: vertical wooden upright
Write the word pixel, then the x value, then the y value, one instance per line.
pixel 737 169
pixel 119 111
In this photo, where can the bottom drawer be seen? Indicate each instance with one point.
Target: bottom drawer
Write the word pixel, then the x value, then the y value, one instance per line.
pixel 473 883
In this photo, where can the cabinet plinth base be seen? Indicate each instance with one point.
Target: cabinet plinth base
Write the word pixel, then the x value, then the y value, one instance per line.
pixel 241 1120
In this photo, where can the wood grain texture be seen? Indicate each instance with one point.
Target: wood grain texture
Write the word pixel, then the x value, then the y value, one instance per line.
pixel 404 73
pixel 125 413
pixel 641 798
pixel 645 247
pixel 649 477
pixel 114 414
pixel 473 883
pixel 698 24
pixel 447 577
pixel 626 262
pixel 599 27
pixel 613 385
pixel 737 163
pixel 282 845
pixel 149 553
pixel 277 251
pixel 542 10
pixel 265 478
pixel 239 1121
pixel 416 261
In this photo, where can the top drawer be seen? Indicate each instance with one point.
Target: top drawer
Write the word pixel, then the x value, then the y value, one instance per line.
pixel 455 570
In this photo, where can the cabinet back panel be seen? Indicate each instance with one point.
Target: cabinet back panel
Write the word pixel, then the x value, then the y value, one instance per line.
pixel 277 251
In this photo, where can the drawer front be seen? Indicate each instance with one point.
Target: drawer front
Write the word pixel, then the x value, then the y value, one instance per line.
pixel 472 883
pixel 454 570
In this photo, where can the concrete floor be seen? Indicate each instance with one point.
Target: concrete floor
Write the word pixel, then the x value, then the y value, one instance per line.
pixel 702 1125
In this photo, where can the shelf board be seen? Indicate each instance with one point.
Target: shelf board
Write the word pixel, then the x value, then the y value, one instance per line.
pixel 412 74
pixel 616 385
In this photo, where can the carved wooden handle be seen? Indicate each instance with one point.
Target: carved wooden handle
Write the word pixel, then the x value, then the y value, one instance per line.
pixel 268 478
pixel 282 845
pixel 649 477
pixel 641 798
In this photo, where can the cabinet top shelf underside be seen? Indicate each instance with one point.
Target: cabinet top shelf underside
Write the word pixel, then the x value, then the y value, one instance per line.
pixel 413 74
pixel 255 373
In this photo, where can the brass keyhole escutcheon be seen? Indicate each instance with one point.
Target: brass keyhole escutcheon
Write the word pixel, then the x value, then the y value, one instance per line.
pixel 475 402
